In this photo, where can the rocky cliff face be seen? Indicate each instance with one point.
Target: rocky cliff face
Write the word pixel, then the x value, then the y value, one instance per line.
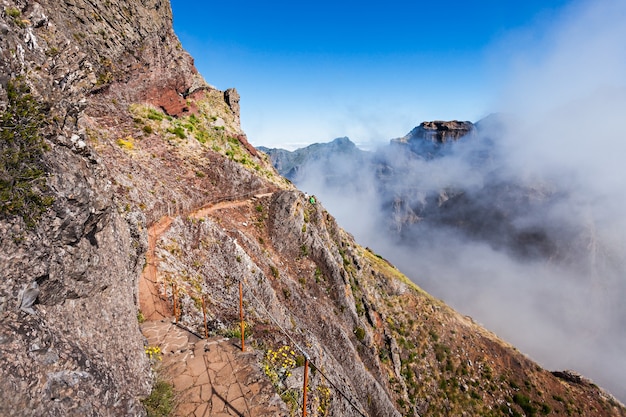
pixel 132 135
pixel 390 348
pixel 82 352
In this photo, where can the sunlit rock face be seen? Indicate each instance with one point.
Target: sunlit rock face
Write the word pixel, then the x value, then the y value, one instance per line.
pixel 81 353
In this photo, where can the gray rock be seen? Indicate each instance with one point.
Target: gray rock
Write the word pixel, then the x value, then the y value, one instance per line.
pixel 28 297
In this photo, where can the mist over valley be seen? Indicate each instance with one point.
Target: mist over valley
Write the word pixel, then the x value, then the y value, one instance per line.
pixel 517 220
pixel 537 257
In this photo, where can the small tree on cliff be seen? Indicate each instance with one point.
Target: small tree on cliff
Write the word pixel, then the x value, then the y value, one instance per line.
pixel 22 171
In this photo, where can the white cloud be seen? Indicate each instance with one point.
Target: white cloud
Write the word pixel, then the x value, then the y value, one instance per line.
pixel 566 93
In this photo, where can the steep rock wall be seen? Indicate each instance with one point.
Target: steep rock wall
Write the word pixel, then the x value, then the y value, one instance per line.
pixel 81 353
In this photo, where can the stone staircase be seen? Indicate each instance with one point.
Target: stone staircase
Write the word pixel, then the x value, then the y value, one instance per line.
pixel 212 377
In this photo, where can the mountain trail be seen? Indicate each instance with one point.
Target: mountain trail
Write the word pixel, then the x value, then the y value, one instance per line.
pixel 153 301
pixel 210 376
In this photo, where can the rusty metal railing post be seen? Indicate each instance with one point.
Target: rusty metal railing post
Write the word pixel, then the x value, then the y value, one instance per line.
pixel 241 316
pixel 306 382
pixel 206 330
pixel 175 301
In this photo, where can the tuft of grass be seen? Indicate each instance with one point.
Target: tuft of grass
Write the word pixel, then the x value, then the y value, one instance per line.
pixel 15 15
pixel 13 12
pixel 318 275
pixel 235 331
pixel 274 270
pixel 525 404
pixel 287 293
pixel 161 401
pixel 155 115
pixel 291 398
pixel 179 131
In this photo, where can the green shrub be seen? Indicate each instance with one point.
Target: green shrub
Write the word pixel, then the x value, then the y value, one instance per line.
pixel 524 402
pixel 274 270
pixel 201 136
pixel 179 131
pixel 13 12
pixel 155 115
pixel 291 398
pixel 359 332
pixel 23 188
pixel 235 331
pixel 433 335
pixel 441 351
pixel 318 275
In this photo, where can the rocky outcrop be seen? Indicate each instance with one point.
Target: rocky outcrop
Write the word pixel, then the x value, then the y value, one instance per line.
pixel 438 131
pixel 428 140
pixel 231 96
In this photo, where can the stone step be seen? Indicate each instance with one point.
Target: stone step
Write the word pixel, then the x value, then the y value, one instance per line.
pixel 212 377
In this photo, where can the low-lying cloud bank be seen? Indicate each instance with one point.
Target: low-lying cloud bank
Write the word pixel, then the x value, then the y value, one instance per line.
pixel 557 165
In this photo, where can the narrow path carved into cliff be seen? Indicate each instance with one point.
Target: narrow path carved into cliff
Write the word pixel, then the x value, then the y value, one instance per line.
pixel 153 301
pixel 211 376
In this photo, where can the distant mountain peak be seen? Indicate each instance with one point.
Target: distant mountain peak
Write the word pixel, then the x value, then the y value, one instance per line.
pixel 438 131
pixel 429 138
pixel 343 141
pixel 288 163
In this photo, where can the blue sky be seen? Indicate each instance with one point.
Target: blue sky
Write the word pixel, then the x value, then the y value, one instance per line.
pixel 313 71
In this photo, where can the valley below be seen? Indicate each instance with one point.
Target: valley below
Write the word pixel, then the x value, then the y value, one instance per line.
pixel 532 258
